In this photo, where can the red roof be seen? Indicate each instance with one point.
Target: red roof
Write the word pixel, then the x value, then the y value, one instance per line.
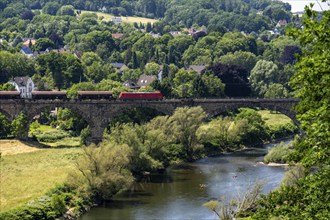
pixel 117 36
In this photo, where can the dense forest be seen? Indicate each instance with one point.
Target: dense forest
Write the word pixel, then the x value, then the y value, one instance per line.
pixel 247 58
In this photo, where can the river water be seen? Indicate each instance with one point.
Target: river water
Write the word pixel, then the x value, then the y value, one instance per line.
pixel 181 192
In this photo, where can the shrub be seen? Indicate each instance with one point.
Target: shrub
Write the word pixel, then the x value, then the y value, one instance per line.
pixel 309 200
pixel 279 153
pixel 281 130
pixel 52 136
pixel 50 206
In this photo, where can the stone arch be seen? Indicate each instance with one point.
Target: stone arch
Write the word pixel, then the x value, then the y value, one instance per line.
pixel 220 110
pixel 284 110
pixel 117 113
pixel 33 110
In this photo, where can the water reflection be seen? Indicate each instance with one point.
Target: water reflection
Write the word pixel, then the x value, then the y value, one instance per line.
pixel 181 191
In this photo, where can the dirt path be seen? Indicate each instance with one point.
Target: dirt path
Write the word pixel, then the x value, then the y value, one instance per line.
pixel 9 147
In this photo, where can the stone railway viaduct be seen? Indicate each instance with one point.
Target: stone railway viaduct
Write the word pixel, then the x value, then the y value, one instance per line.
pixel 98 113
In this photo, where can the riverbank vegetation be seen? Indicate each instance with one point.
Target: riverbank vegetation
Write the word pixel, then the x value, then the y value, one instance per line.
pixel 147 147
pixel 279 153
pixel 307 196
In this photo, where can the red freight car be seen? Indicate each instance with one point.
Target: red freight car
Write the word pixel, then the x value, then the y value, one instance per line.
pixel 10 95
pixel 141 95
pixel 94 95
pixel 48 95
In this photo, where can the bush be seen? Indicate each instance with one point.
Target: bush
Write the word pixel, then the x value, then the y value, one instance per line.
pixel 52 136
pixel 306 199
pixel 281 130
pixel 279 153
pixel 50 206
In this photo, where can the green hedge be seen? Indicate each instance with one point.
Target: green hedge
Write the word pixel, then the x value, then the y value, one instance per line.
pixel 51 136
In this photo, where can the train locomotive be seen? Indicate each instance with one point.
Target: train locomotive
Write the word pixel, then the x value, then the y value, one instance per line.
pixel 141 96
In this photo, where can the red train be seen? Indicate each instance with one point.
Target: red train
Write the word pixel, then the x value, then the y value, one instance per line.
pixel 141 95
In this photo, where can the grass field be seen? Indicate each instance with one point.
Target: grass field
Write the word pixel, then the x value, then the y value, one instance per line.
pixel 127 19
pixel 28 175
pixel 274 119
pixel 10 147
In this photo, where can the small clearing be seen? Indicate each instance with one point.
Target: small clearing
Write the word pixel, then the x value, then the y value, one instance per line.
pixel 128 19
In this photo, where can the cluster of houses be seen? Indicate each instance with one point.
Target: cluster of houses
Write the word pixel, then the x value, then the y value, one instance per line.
pixel 25 85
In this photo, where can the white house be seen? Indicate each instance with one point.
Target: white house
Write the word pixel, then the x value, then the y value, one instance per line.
pixel 23 84
pixel 117 20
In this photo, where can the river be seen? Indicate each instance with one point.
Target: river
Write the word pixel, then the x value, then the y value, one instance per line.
pixel 181 192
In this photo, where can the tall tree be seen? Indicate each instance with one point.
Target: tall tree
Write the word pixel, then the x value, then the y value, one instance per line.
pixel 234 77
pixel 308 197
pixel 311 82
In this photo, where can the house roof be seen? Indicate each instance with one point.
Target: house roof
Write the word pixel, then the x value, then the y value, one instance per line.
pixel 21 80
pixel 281 23
pixel 118 65
pixel 117 35
pixel 130 84
pixel 26 50
pixel 175 33
pixel 197 68
pixel 26 42
pixel 145 80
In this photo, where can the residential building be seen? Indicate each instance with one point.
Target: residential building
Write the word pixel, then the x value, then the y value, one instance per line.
pixel 24 85
pixel 27 51
pixel 117 20
pixel 145 80
pixel 131 84
pixel 117 36
pixel 121 67
pixel 198 68
pixel 27 42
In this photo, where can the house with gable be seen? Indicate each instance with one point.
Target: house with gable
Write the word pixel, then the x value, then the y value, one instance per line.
pixel 117 20
pixel 27 42
pixel 281 23
pixel 145 80
pixel 27 51
pixel 198 68
pixel 130 84
pixel 118 36
pixel 24 85
pixel 121 67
